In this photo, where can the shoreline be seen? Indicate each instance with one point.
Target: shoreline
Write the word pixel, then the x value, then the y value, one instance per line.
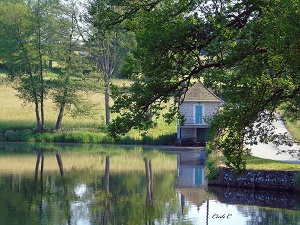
pixel 275 180
pixel 257 180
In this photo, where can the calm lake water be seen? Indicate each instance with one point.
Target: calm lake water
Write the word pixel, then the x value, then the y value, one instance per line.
pixel 125 185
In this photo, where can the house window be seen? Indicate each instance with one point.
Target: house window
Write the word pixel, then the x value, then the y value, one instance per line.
pixel 198 114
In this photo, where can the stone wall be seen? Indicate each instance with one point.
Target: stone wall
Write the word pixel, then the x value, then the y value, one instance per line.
pixel 257 179
pixel 187 109
pixel 211 108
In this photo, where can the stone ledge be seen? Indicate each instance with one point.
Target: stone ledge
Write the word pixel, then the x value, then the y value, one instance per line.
pixel 257 179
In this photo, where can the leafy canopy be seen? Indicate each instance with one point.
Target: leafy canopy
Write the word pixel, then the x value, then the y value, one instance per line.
pixel 242 49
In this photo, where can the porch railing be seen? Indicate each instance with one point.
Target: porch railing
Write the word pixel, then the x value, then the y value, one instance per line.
pixel 192 120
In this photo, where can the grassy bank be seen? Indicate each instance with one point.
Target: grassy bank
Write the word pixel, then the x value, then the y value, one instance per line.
pixel 294 129
pixel 17 123
pixel 214 162
pixel 256 163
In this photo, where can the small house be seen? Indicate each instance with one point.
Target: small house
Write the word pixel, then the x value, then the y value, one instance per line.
pixel 199 104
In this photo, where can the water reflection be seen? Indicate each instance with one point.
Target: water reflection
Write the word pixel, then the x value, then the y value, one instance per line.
pixel 149 182
pixel 128 186
pixel 191 169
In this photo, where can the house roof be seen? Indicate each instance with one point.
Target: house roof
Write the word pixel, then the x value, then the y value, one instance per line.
pixel 198 92
pixel 195 195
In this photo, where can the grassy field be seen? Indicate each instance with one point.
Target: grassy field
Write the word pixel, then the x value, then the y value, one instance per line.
pixel 256 163
pixel 294 129
pixel 14 115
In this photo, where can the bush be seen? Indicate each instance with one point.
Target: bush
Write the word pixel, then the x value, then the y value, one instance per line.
pixel 211 167
pixel 84 136
pixel 213 162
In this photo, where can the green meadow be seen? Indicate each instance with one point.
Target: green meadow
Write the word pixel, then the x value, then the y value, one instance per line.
pixel 17 122
pixel 255 163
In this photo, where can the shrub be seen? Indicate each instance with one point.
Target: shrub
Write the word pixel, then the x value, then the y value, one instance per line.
pixel 211 168
pixel 213 162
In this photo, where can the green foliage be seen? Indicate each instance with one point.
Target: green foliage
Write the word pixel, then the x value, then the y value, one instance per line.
pixel 13 135
pixel 74 137
pixel 167 139
pixel 243 50
pixel 33 34
pixel 212 166
pixel 83 136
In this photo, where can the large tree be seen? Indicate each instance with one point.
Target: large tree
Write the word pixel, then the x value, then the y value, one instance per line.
pixel 67 38
pixel 103 52
pixel 242 49
pixel 107 51
pixel 21 41
pixel 108 48
pixel 33 34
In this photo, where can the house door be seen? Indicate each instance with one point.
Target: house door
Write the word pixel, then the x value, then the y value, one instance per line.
pixel 198 116
pixel 198 176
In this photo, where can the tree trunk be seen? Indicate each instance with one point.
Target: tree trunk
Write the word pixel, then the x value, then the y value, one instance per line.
pixel 35 99
pixel 41 89
pixel 37 115
pixel 42 94
pixel 34 91
pixel 60 117
pixel 63 103
pixel 107 106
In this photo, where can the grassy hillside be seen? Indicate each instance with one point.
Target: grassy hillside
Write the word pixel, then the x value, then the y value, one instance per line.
pixel 16 115
pixel 294 129
pixel 18 118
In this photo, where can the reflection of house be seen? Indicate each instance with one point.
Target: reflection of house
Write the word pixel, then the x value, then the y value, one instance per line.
pixel 199 105
pixel 196 196
pixel 191 169
pixel 191 182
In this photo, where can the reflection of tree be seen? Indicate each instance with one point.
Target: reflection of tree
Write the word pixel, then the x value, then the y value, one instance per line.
pixel 125 203
pixel 149 182
pixel 41 201
pixel 265 216
pixel 109 197
pixel 40 159
pixel 262 207
pixel 40 155
pixel 128 192
pixel 60 164
pixel 36 192
pixel 106 178
pixel 107 213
